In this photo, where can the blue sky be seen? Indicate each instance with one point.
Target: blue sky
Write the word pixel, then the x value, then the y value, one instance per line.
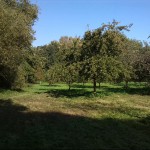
pixel 70 17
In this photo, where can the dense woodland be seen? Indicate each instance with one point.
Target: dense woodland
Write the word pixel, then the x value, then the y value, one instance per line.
pixel 104 54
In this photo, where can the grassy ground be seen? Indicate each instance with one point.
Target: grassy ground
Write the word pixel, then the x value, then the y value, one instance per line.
pixel 43 116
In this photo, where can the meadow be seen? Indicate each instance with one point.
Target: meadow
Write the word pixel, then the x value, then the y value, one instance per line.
pixel 42 116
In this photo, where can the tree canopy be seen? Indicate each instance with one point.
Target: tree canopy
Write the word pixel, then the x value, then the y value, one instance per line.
pixel 16 36
pixel 104 54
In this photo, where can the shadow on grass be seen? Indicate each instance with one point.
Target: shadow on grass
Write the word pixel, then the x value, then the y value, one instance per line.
pixel 21 129
pixel 138 90
pixel 81 86
pixel 2 90
pixel 51 85
pixel 73 93
pixel 16 90
pixel 102 92
pixel 86 86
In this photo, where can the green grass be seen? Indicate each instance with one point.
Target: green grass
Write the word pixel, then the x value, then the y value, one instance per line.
pixel 51 117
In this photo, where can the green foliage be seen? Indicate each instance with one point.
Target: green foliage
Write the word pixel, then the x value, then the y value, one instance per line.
pixel 103 55
pixel 16 34
pixel 70 47
pixel 100 53
pixel 65 57
pixel 19 81
pixel 54 74
pixel 142 66
pixel 50 53
pixel 128 58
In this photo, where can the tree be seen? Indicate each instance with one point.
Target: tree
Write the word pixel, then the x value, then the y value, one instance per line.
pixel 62 60
pixel 100 52
pixel 49 52
pixel 128 58
pixel 54 74
pixel 16 35
pixel 70 52
pixel 142 65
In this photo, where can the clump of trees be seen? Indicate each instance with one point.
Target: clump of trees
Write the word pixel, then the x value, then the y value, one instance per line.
pixel 16 36
pixel 102 55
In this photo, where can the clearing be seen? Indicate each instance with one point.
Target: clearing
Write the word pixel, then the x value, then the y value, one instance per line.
pixel 43 116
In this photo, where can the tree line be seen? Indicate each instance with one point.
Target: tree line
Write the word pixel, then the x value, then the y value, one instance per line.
pixel 104 54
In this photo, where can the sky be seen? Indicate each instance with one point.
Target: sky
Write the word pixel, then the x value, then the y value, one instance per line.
pixel 59 18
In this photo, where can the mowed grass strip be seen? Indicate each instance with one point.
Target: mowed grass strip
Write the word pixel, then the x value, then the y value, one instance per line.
pixel 43 116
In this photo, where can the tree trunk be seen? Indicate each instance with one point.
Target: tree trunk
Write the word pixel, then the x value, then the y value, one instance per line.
pixel 83 83
pixel 126 84
pixel 99 85
pixel 69 86
pixel 94 85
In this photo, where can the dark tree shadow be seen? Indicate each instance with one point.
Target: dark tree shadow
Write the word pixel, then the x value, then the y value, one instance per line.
pixel 77 91
pixel 2 90
pixel 17 90
pixel 22 129
pixel 81 86
pixel 73 93
pixel 130 90
pixel 51 85
pixel 105 91
pixel 86 86
pixel 80 90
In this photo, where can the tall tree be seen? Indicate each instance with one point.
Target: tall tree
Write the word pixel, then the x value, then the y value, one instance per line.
pixel 70 52
pixel 141 65
pixel 16 35
pixel 100 52
pixel 128 58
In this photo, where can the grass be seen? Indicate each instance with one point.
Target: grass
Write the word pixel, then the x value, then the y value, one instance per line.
pixel 51 117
